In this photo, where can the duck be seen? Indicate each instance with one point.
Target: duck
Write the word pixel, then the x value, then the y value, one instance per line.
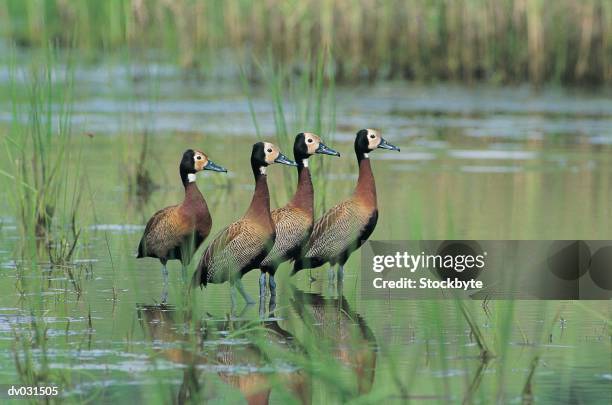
pixel 176 232
pixel 293 222
pixel 242 246
pixel 347 225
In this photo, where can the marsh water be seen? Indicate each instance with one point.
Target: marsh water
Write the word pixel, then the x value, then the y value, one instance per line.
pixel 476 163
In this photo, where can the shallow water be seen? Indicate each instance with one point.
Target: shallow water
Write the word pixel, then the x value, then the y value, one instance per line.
pixel 476 163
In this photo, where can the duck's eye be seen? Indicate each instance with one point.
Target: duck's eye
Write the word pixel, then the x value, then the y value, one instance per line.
pixel 199 157
pixel 269 150
pixel 310 140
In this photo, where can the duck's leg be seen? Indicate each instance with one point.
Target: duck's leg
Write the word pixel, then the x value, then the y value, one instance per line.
pixel 340 273
pixel 272 285
pixel 330 273
pixel 233 297
pixel 164 296
pixel 272 307
pixel 243 292
pixel 262 306
pixel 340 282
pixel 262 284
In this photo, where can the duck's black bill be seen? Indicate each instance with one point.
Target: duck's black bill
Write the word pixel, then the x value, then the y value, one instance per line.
pixel 215 167
pixel 284 160
pixel 386 145
pixel 325 150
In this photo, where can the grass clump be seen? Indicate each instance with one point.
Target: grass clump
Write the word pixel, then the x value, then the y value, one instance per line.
pixel 40 164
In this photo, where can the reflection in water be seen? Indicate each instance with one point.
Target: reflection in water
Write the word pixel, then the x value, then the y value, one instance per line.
pixel 351 341
pixel 240 351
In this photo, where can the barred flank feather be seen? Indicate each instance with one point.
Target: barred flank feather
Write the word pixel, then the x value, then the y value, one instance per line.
pixel 293 227
pixel 337 234
pixel 236 249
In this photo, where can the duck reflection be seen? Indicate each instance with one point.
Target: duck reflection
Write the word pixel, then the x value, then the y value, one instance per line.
pixel 244 353
pixel 332 320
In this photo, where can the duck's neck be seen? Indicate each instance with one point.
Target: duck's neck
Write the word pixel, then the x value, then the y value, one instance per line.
pixel 304 193
pixel 192 192
pixel 193 196
pixel 260 204
pixel 366 187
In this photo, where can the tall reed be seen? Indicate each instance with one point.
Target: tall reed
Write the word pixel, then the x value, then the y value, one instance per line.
pixel 498 41
pixel 40 163
pixel 303 101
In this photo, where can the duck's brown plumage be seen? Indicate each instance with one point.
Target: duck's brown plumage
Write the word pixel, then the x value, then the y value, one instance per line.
pixel 293 224
pixel 241 246
pixel 343 228
pixel 176 232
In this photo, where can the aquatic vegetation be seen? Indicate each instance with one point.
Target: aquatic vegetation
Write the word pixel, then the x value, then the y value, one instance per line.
pixel 498 41
pixel 41 159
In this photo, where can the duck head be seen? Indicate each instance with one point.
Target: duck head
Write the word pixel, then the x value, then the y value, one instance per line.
pixel 264 154
pixel 194 161
pixel 307 144
pixel 369 139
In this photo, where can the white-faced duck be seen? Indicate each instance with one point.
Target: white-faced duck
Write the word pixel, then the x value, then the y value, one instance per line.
pixel 177 231
pixel 293 222
pixel 346 226
pixel 242 246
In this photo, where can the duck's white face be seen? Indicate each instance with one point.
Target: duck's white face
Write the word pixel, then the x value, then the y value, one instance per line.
pixel 200 161
pixel 312 142
pixel 374 138
pixel 271 152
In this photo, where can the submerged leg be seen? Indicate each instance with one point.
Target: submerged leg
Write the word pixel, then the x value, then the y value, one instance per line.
pixel 272 285
pixel 243 292
pixel 164 296
pixel 262 284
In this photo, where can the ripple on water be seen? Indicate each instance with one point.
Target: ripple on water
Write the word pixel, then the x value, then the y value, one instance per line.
pixel 492 154
pixel 117 228
pixel 491 169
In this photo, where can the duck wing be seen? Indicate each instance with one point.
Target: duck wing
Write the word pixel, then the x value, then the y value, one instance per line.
pixel 164 232
pixel 234 249
pixel 292 227
pixel 333 234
